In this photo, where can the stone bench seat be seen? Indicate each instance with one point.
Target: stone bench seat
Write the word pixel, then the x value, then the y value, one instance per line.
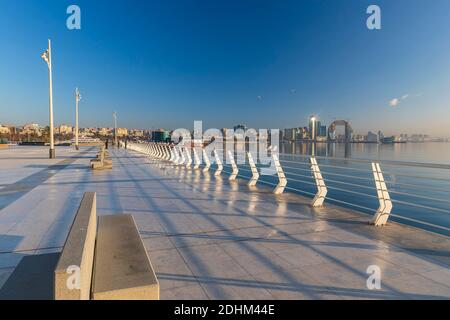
pixel 106 154
pixel 103 259
pixel 101 162
pixel 98 164
pixel 78 254
pixel 122 268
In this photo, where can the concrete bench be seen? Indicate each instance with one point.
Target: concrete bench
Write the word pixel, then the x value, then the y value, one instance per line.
pixel 78 252
pixel 101 162
pixel 122 268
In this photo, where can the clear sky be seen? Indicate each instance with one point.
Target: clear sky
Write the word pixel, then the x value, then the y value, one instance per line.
pixel 268 64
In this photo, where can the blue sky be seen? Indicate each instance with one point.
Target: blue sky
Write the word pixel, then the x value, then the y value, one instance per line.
pixel 269 64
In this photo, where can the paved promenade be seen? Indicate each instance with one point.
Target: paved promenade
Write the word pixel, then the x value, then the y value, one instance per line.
pixel 211 239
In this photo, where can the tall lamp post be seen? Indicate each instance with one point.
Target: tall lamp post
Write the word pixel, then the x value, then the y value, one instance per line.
pixel 47 56
pixel 77 100
pixel 115 127
pixel 313 135
pixel 313 128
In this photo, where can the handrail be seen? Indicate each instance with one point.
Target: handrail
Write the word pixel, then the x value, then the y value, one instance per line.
pixel 384 162
pixel 331 178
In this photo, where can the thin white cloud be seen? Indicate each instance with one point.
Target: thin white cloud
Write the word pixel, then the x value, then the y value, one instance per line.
pixel 394 102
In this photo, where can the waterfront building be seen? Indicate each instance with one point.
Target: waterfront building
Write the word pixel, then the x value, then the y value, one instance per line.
pixel 322 130
pixel 290 134
pixel 4 130
pixel 64 129
pixel 121 132
pixel 372 137
pixel 160 135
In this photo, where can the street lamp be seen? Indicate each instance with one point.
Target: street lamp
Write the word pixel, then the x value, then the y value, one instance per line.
pixel 313 128
pixel 77 100
pixel 47 56
pixel 313 135
pixel 115 127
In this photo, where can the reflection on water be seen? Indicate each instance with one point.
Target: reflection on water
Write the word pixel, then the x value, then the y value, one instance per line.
pixel 430 152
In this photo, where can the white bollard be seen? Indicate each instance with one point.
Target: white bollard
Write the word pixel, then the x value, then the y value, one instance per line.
pixel 207 162
pixel 182 158
pixel 235 171
pixel 162 154
pixel 219 164
pixel 177 155
pixel 159 153
pixel 152 150
pixel 168 155
pixel 279 189
pixel 196 160
pixel 188 158
pixel 321 187
pixel 382 215
pixel 255 174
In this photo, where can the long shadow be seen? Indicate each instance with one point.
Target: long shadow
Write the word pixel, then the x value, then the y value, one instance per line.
pixel 221 239
pixel 15 191
pixel 166 223
pixel 103 181
pixel 113 187
pixel 32 279
pixel 212 213
pixel 263 259
pixel 59 229
pixel 396 247
pixel 293 287
pixel 202 268
pixel 57 166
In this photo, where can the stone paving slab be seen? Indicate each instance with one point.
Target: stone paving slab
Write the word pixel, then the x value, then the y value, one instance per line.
pixel 209 238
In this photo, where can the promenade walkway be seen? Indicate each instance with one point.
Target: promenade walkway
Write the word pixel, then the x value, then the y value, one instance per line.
pixel 209 238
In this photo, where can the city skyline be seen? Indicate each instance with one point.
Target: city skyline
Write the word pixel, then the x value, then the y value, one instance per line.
pixel 166 65
pixel 285 133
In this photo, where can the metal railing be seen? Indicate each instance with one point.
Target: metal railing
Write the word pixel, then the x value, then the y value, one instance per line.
pixel 416 193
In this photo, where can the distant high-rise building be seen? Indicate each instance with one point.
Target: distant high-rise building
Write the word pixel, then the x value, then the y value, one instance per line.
pixel 290 134
pixel 322 131
pixel 372 137
pixel 314 126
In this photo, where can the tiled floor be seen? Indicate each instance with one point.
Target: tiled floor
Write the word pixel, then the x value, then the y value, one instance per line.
pixel 209 238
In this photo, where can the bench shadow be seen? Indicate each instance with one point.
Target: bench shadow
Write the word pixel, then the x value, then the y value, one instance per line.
pixel 32 279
